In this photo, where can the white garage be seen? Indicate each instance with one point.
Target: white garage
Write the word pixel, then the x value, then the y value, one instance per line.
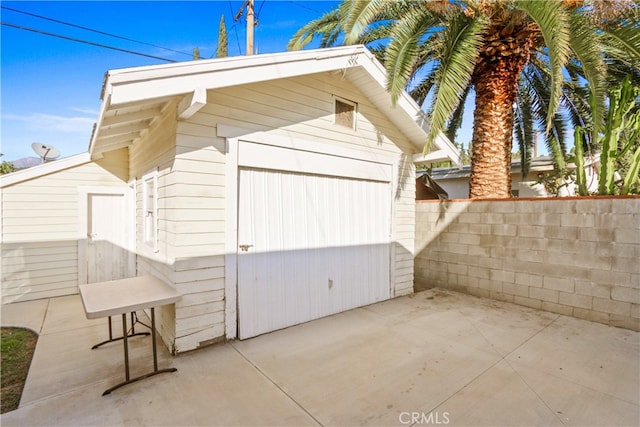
pixel 314 233
pixel 268 190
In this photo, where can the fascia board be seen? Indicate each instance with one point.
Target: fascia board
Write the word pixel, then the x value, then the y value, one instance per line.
pixel 44 169
pixel 135 86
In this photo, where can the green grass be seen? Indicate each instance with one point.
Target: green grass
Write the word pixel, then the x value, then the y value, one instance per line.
pixel 16 348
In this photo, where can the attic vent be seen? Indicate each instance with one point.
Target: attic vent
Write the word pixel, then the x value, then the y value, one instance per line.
pixel 345 113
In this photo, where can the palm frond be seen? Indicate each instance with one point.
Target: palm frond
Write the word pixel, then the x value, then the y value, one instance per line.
pixel 328 26
pixel 623 39
pixel 523 126
pixel 552 19
pixel 585 45
pixel 404 50
pixel 461 40
pixel 455 123
pixel 538 82
pixel 358 15
pixel 421 91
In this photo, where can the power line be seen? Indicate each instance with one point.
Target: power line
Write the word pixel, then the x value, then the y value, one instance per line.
pixel 84 41
pixel 304 7
pixel 235 27
pixel 92 30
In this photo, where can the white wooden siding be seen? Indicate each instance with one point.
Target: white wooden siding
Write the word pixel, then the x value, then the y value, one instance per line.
pixel 192 179
pixel 39 245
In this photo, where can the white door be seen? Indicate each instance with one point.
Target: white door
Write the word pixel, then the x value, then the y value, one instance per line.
pixel 107 256
pixel 310 246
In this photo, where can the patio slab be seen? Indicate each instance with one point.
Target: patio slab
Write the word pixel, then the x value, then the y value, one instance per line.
pixel 437 357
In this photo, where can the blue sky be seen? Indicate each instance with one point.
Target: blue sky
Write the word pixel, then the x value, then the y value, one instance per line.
pixel 50 87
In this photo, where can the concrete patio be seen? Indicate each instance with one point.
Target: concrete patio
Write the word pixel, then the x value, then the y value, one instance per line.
pixel 437 357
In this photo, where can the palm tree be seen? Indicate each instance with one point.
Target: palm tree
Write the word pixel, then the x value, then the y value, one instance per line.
pixel 525 60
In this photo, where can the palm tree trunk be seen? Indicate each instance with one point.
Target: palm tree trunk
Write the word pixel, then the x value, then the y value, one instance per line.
pixel 495 88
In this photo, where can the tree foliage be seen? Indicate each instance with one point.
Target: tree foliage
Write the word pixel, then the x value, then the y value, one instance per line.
pixel 223 43
pixel 533 66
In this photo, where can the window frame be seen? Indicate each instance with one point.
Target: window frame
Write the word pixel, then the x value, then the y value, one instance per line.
pixel 149 182
pixel 354 122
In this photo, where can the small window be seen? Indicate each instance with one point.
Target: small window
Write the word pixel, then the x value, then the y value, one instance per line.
pixel 150 210
pixel 345 113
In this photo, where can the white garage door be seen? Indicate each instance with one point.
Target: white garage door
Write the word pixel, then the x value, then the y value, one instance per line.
pixel 315 245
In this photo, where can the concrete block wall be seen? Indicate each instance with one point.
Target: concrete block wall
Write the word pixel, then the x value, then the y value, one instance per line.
pixel 573 256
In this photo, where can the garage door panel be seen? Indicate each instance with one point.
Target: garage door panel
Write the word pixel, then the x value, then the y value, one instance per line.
pixel 320 245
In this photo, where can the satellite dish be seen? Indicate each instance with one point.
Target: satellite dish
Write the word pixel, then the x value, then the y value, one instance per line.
pixel 46 152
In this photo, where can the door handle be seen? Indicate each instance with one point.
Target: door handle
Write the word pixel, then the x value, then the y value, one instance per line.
pixel 245 248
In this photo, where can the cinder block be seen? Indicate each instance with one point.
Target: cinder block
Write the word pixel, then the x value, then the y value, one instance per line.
pixel 504 229
pixel 470 218
pixel 458 269
pixel 583 287
pixel 591 315
pixel 604 277
pixel 528 302
pixel 515 289
pixel 478 271
pixel 627 235
pixel 530 231
pixel 469 239
pixel 549 220
pixel 557 308
pixel 558 284
pixel 626 265
pixel 452 279
pixel 612 307
pixel 564 232
pixel 529 255
pixel 625 322
pixel 597 234
pixel 528 279
pixel 478 228
pixel 635 311
pixel 498 252
pixel 479 251
pixel 479 292
pixel 529 206
pixel 559 206
pixel 626 205
pixel 501 296
pixel 577 219
pixel 576 300
pixel 485 284
pixel 492 218
pixel 620 293
pixel 626 250
pixel 544 294
pixel 502 275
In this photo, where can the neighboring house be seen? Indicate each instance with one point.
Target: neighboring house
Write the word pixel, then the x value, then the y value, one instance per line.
pixel 455 181
pixel 269 190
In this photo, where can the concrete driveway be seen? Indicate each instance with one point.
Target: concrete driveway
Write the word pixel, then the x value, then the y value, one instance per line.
pixel 435 358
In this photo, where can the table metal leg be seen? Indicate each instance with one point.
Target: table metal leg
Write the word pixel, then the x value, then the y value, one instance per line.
pixel 125 340
pixel 153 339
pixel 126 355
pixel 131 333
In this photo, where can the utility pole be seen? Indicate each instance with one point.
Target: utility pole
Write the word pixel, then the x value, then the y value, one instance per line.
pixel 250 23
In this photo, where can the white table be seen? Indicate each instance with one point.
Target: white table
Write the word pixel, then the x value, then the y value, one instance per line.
pixel 106 299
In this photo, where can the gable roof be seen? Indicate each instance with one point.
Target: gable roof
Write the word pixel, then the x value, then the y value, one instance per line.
pixel 134 97
pixel 43 169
